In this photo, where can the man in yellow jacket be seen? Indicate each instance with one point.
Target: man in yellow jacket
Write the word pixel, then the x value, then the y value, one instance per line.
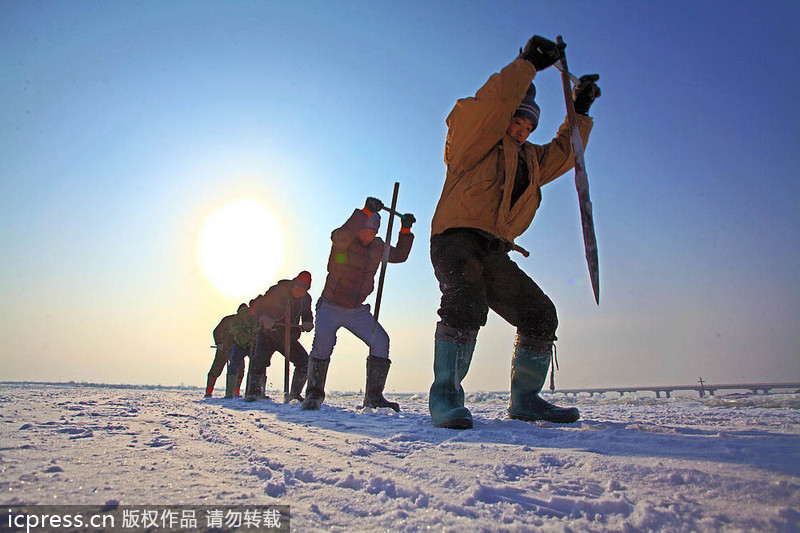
pixel 490 196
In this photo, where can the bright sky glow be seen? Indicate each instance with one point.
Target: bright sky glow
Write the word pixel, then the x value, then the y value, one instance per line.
pixel 241 248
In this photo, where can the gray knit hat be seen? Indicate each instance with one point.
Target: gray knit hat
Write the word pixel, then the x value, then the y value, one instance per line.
pixel 529 108
pixel 373 221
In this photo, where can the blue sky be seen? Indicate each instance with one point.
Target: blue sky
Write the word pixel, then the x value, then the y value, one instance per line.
pixel 124 125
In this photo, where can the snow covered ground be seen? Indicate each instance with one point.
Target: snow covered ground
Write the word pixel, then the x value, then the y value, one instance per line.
pixel 730 463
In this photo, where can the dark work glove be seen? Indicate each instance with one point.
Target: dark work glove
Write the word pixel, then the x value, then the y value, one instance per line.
pixel 373 205
pixel 407 220
pixel 541 52
pixel 585 92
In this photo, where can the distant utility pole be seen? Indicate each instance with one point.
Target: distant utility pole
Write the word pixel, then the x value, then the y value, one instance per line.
pixel 702 389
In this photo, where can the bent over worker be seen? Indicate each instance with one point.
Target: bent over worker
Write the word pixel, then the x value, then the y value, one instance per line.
pixel 356 253
pixel 270 311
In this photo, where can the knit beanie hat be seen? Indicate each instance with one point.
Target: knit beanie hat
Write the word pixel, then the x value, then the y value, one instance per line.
pixel 529 108
pixel 303 279
pixel 373 221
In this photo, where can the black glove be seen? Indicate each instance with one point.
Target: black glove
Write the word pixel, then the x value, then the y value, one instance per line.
pixel 585 92
pixel 407 220
pixel 373 205
pixel 541 52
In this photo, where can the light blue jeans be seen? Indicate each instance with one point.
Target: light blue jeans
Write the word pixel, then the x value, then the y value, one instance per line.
pixel 358 321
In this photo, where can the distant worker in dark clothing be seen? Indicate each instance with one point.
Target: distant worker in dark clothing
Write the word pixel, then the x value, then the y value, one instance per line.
pixel 224 343
pixel 270 311
pixel 244 327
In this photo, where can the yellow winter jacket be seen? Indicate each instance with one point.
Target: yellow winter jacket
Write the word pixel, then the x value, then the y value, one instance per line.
pixel 482 160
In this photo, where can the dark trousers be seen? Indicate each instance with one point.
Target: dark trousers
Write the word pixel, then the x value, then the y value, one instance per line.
pixel 475 274
pixel 236 363
pixel 269 342
pixel 220 359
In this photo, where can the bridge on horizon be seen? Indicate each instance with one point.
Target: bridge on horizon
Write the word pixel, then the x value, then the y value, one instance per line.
pixel 702 388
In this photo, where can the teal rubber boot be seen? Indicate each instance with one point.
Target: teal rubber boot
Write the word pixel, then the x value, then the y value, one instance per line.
pixel 529 366
pixel 451 359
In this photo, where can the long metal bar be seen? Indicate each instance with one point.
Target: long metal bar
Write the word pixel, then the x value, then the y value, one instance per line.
pixel 581 182
pixel 392 211
pixel 385 260
pixel 287 347
pixel 561 68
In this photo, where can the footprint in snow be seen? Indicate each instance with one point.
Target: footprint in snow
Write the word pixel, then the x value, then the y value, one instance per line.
pixel 261 472
pixel 275 489
pixel 159 442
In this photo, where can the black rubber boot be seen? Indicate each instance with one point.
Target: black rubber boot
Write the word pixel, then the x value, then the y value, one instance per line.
pixel 210 382
pixel 451 359
pixel 315 391
pixel 298 382
pixel 529 366
pixel 377 370
pixel 256 384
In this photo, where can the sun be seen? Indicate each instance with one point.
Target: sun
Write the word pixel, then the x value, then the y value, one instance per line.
pixel 240 248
